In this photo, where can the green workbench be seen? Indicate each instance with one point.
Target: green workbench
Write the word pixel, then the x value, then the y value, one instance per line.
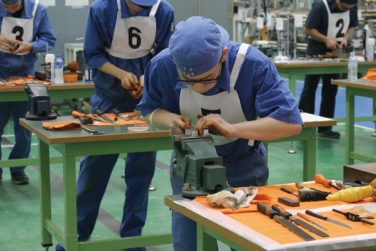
pixel 361 88
pixel 303 67
pixel 79 143
pixel 308 137
pixel 64 91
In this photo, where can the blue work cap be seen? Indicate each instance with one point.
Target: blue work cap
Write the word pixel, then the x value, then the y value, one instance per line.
pixel 9 1
pixel 349 1
pixel 144 2
pixel 196 45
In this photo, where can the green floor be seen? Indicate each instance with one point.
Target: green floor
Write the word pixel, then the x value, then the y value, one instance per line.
pixel 19 205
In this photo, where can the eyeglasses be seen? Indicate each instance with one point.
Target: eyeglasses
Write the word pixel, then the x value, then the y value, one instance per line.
pixel 144 7
pixel 202 81
pixel 346 7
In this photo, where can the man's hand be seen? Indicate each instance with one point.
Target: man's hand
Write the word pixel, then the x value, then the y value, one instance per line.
pixel 331 44
pixel 21 47
pixel 215 123
pixel 344 42
pixel 7 44
pixel 136 94
pixel 179 125
pixel 130 82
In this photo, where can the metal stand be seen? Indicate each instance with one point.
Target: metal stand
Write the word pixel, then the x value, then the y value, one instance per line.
pixel 291 151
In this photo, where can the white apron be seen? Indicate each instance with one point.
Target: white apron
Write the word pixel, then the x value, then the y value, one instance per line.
pixel 227 104
pixel 338 24
pixel 20 29
pixel 134 36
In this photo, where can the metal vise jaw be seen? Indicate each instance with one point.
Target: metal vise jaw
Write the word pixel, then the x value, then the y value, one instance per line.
pixel 38 103
pixel 198 164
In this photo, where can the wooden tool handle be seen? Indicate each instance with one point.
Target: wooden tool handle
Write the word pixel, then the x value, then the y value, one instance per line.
pixel 76 114
pixel 319 178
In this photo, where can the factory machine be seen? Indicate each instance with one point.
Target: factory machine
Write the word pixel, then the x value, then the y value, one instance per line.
pixel 198 164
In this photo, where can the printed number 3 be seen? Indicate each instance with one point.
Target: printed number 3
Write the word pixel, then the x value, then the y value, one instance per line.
pixel 19 31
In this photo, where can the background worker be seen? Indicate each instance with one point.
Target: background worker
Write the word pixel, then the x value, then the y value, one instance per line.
pixel 329 25
pixel 120 39
pixel 25 31
pixel 206 81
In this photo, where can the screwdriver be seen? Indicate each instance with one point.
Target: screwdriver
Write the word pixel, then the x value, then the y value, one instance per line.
pixel 308 219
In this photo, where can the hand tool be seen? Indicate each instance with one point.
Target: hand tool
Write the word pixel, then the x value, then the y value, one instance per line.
pixel 312 221
pixel 287 215
pixel 96 117
pixel 92 132
pixel 289 202
pixel 76 114
pixel 267 210
pixel 286 190
pixel 308 194
pixel 124 117
pixel 326 218
pixel 248 191
pixel 319 178
pixel 355 217
pixel 101 114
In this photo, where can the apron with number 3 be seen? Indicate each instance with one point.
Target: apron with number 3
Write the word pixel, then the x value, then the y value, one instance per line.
pixel 134 36
pixel 20 29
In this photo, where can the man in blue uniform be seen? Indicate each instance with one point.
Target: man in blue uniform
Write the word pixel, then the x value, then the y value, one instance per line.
pixel 204 81
pixel 121 37
pixel 25 30
pixel 330 24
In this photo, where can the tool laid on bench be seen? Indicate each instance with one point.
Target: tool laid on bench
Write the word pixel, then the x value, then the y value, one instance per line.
pixel 268 210
pixel 355 217
pixel 104 116
pixel 289 216
pixel 326 218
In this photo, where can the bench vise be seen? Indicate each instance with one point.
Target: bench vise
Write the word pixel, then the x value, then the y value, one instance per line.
pixel 38 107
pixel 198 164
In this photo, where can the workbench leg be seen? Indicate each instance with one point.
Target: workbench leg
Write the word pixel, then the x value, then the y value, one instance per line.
pixel 44 191
pixel 70 205
pixel 374 113
pixel 292 83
pixel 205 242
pixel 309 159
pixel 349 139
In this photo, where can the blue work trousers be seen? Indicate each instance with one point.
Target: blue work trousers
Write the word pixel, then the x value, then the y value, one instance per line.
pixel 249 169
pixel 94 175
pixel 21 148
pixel 328 96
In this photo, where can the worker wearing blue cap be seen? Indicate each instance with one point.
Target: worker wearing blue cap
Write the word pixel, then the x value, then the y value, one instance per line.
pixel 25 30
pixel 329 25
pixel 120 39
pixel 203 80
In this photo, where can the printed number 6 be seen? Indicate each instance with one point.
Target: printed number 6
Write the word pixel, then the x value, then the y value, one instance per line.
pixel 134 38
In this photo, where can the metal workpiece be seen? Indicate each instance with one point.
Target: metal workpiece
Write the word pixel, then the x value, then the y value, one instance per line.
pixel 199 165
